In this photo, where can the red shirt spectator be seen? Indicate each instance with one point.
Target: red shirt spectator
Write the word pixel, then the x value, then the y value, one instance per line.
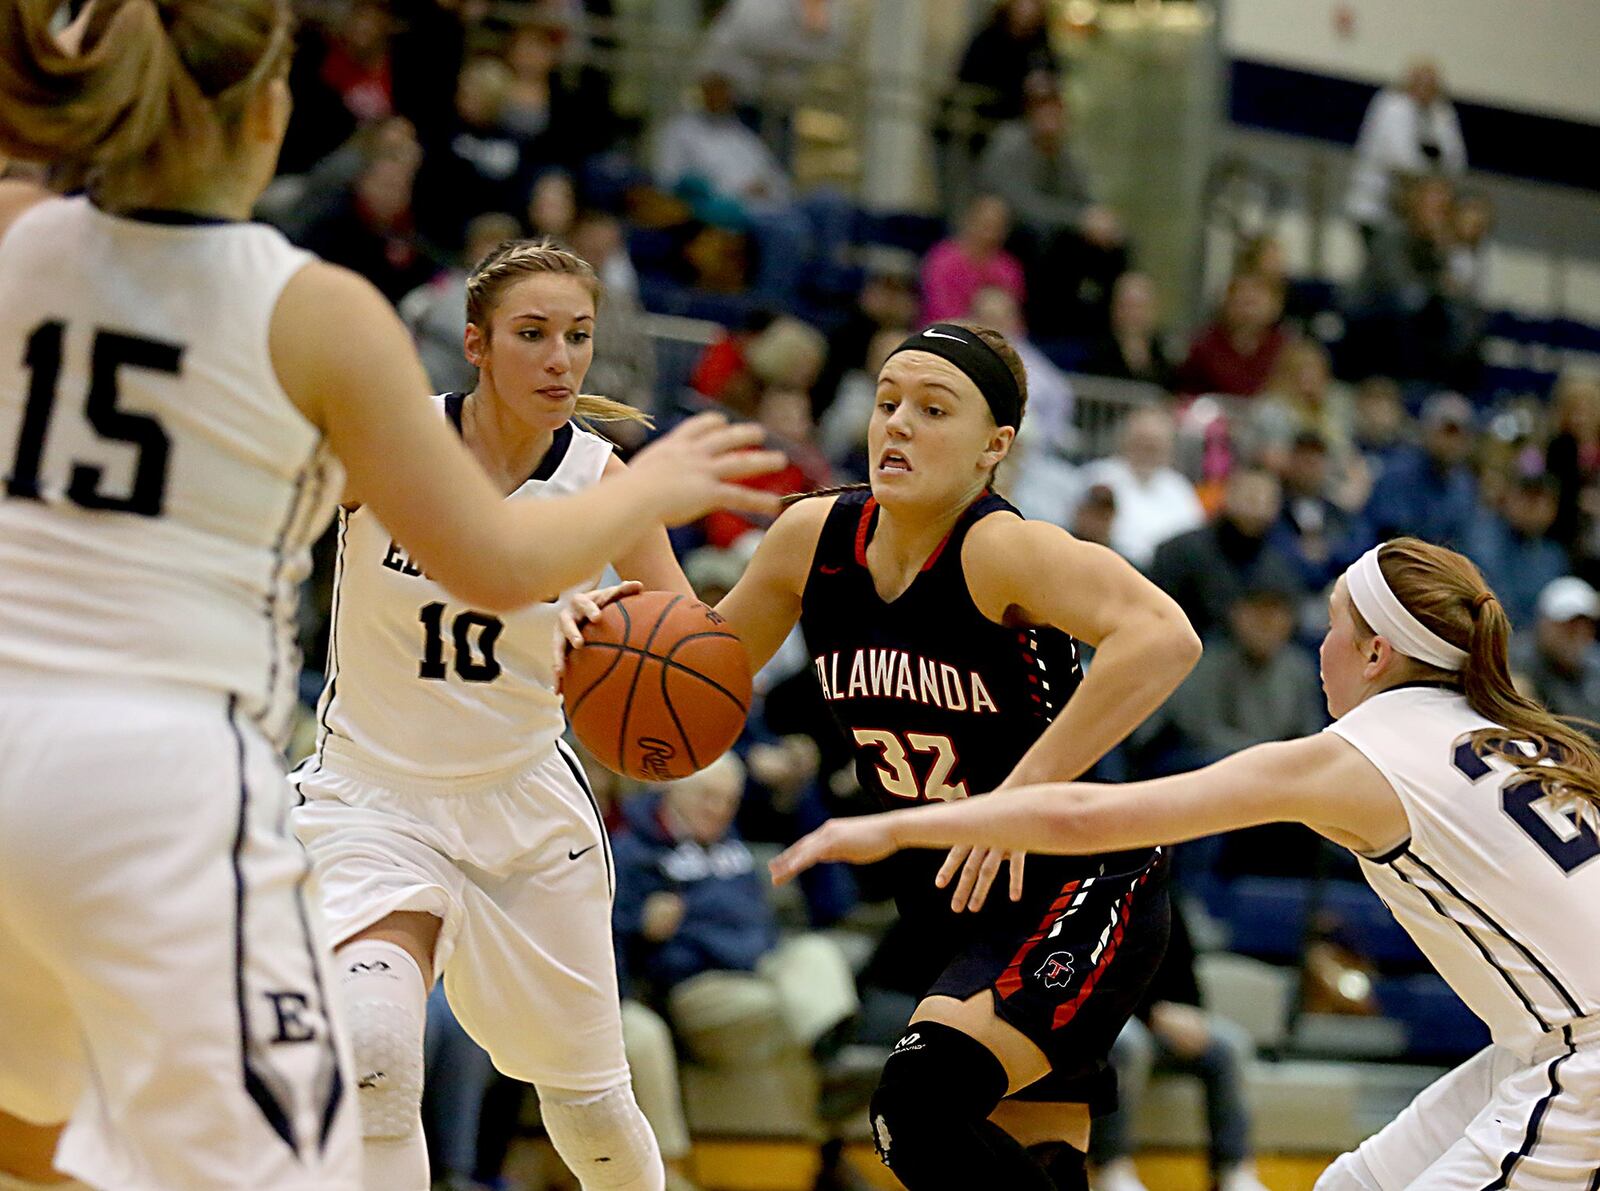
pixel 956 269
pixel 1237 353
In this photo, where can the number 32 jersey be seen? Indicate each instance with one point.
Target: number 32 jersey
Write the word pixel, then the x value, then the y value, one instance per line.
pixel 421 685
pixel 1499 882
pixel 160 490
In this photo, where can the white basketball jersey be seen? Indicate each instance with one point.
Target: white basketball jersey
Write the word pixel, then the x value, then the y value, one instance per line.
pixel 161 490
pixel 1499 883
pixel 421 685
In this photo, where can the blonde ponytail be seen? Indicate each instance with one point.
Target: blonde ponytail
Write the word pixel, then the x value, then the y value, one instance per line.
pixel 1446 592
pixel 593 408
pixel 147 75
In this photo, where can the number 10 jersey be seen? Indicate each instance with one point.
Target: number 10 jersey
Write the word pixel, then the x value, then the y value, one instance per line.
pixel 423 686
pixel 160 490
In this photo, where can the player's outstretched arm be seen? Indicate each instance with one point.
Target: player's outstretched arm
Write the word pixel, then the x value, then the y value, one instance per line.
pixel 764 605
pixel 347 362
pixel 1321 781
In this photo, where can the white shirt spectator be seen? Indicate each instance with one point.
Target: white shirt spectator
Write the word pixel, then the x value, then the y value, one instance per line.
pixel 1151 508
pixel 1399 135
pixel 734 161
pixel 766 47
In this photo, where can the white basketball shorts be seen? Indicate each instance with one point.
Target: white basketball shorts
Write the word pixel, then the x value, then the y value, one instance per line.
pixel 519 870
pixel 162 979
pixel 1499 1121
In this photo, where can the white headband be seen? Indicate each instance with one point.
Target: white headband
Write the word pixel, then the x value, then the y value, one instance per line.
pixel 1391 619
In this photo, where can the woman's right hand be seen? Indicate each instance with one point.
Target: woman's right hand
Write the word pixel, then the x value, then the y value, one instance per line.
pixel 691 470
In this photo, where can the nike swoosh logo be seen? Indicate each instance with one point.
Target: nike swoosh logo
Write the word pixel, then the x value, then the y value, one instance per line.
pixel 571 855
pixel 830 570
pixel 942 335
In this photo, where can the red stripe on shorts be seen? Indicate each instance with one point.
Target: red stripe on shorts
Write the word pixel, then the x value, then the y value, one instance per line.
pixel 1065 1013
pixel 1011 979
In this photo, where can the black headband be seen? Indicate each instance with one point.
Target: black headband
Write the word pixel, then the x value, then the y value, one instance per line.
pixel 978 361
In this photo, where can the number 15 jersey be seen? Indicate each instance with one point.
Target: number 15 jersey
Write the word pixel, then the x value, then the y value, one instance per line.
pixel 160 490
pixel 423 686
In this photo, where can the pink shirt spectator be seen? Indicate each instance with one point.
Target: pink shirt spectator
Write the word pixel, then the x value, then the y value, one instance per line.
pixel 951 279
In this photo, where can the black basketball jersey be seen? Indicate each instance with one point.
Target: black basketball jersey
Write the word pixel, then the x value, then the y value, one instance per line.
pixel 937 701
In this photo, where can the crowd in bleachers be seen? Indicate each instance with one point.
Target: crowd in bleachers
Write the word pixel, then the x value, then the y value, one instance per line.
pixel 1242 465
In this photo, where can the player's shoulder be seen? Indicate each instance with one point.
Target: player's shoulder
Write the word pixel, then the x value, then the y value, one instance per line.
pixel 17 198
pixel 1002 537
pixel 810 513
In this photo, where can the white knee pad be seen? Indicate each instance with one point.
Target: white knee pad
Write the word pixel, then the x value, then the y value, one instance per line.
pixel 603 1138
pixel 384 999
pixel 1349 1172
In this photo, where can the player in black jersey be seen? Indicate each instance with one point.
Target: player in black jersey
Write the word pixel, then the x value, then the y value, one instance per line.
pixel 942 630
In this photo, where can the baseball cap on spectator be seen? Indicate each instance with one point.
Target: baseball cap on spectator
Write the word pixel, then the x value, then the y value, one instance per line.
pixel 1447 409
pixel 1567 599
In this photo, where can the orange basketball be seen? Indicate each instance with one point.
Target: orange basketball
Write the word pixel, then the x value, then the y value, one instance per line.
pixel 659 688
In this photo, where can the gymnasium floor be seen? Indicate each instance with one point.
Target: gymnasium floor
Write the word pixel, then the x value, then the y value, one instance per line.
pixel 788 1166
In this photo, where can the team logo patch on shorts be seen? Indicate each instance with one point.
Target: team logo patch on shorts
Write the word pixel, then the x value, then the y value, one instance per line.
pixel 1056 971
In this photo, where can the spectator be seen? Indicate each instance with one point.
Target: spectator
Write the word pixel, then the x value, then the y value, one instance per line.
pixel 1408 131
pixel 737 369
pixel 767 48
pixel 1206 568
pixel 1050 398
pixel 1132 348
pixel 1011 46
pixel 477 165
pixel 887 299
pixel 342 78
pixel 1302 398
pixel 1237 353
pixel 785 413
pixel 436 313
pixel 372 227
pixel 1471 222
pixel 956 268
pixel 1409 315
pixel 1430 491
pixel 1383 428
pixel 624 364
pixel 1065 236
pixel 1251 685
pixel 1169 1031
pixel 563 116
pixel 1573 458
pixel 1315 532
pixel 1513 548
pixel 1558 662
pixel 1155 502
pixel 1096 514
pixel 842 431
pixel 552 208
pixel 730 178
pixel 697 932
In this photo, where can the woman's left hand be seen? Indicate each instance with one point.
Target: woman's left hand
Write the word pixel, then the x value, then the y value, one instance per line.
pixel 861 839
pixel 579 610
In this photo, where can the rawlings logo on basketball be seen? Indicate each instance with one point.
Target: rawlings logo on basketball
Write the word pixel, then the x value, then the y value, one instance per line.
pixel 1056 971
pixel 656 762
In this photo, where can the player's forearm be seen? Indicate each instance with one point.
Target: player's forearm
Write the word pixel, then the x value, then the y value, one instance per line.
pixel 1062 818
pixel 1135 669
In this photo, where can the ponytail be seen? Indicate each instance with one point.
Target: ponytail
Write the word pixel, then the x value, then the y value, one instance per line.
pixel 592 408
pixel 143 74
pixel 1446 592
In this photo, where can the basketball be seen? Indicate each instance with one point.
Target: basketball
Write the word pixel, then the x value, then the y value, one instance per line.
pixel 659 688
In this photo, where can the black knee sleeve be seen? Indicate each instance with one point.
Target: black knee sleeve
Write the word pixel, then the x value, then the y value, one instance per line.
pixel 937 1081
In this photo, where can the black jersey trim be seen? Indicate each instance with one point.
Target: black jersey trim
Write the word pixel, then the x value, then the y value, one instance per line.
pixel 1536 1119
pixel 582 779
pixel 1522 948
pixel 168 217
pixel 256 1084
pixel 331 692
pixel 1483 950
pixel 452 409
pixel 559 445
pixel 1391 855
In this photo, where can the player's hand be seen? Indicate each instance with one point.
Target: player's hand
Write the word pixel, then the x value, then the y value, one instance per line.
pixel 978 868
pixel 692 470
pixel 579 610
pixel 857 840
